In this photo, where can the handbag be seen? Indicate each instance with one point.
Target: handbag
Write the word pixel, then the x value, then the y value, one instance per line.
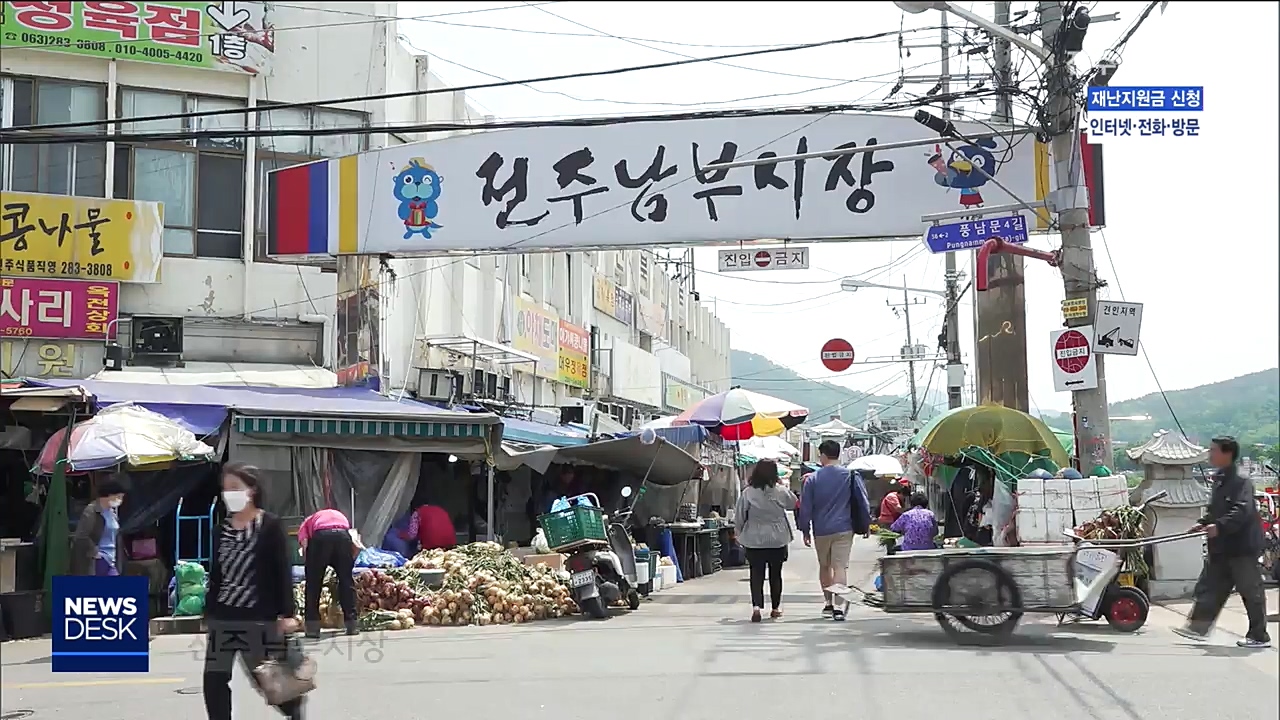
pixel 288 678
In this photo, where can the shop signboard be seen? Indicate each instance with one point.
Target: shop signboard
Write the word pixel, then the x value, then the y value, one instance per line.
pixel 602 297
pixel 49 236
pixel 636 375
pixel 58 309
pixel 679 395
pixel 624 307
pixel 645 184
pixel 226 35
pixel 538 333
pixel 575 355
pixel 51 358
pixel 651 318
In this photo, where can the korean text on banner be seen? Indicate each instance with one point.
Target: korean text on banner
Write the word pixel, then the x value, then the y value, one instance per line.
pixel 235 36
pixel 58 309
pixel 647 184
pixel 78 237
pixel 602 295
pixel 100 624
pixel 575 353
pixel 538 333
pixel 651 318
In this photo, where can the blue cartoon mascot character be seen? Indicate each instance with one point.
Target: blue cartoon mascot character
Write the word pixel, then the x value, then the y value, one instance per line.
pixel 417 189
pixel 967 170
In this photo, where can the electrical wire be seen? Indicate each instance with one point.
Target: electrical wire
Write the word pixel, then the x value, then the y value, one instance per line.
pixel 466 88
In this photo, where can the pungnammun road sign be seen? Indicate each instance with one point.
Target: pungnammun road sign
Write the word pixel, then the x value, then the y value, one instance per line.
pixel 973 233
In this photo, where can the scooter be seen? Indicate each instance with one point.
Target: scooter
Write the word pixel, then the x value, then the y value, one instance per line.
pixel 603 572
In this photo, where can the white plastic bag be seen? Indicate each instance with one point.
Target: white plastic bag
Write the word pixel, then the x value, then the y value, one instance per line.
pixel 1002 514
pixel 539 543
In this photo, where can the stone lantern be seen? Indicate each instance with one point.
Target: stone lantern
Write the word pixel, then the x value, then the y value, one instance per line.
pixel 1166 460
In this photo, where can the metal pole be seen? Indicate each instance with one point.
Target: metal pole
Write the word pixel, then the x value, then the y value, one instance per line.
pixel 955 365
pixel 1000 350
pixel 1093 424
pixel 488 516
pixel 911 348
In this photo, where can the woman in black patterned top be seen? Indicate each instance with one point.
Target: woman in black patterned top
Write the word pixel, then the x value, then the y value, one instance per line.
pixel 249 601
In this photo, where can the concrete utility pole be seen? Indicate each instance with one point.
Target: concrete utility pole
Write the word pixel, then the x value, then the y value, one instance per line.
pixel 907 302
pixel 1093 424
pixel 955 364
pixel 1000 313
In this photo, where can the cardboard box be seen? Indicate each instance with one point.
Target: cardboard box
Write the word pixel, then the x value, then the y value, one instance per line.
pixel 555 561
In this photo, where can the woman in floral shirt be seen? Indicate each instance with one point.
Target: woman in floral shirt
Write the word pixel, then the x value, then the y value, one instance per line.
pixel 917 526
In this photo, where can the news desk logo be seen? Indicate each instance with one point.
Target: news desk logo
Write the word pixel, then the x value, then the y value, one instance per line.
pixel 1145 111
pixel 100 624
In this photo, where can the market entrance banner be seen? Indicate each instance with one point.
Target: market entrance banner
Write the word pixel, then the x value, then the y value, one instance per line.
pixel 62 236
pixel 234 36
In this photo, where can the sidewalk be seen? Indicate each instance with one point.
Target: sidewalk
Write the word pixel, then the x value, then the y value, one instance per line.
pixel 1234 620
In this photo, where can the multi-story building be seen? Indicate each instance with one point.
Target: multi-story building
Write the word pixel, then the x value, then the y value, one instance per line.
pixel 627 331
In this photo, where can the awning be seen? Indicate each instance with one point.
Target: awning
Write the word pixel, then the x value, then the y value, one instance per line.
pixel 279 375
pixel 513 455
pixel 678 434
pixel 333 426
pixel 671 465
pixel 536 433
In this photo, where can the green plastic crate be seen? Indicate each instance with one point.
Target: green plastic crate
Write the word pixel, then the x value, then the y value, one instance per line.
pixel 577 524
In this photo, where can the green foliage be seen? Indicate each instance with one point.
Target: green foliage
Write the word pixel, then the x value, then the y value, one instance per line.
pixel 759 374
pixel 1246 407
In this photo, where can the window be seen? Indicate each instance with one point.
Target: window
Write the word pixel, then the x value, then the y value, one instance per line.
pixel 313 119
pixel 644 273
pixel 61 169
pixel 169 177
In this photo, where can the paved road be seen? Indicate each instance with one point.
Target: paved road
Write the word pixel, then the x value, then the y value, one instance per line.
pixel 689 653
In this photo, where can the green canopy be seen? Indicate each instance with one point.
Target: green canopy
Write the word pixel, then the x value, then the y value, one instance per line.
pixel 1068 440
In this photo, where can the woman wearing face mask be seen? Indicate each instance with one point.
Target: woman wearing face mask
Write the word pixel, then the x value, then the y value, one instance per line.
pixel 250 606
pixel 96 546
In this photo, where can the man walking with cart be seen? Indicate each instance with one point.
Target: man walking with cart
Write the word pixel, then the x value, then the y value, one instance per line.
pixel 1234 529
pixel 833 507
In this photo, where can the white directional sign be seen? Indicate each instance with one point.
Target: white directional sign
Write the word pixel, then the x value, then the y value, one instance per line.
pixel 764 258
pixel 1116 328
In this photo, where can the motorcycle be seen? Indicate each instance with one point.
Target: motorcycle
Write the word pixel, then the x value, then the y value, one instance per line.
pixel 603 572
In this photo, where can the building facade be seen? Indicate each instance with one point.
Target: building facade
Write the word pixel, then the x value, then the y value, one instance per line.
pixel 614 326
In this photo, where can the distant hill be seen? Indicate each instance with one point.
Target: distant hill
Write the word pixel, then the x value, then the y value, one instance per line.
pixel 1246 407
pixel 760 374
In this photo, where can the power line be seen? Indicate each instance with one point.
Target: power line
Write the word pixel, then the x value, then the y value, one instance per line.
pixel 466 88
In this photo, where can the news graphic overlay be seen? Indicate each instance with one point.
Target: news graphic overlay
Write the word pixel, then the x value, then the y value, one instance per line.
pixel 1145 111
pixel 100 624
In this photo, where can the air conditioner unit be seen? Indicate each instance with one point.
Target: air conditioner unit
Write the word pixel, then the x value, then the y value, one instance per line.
pixel 476 386
pixel 504 389
pixel 439 385
pixel 491 386
pixel 156 337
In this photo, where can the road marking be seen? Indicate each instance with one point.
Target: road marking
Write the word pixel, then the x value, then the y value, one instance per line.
pixel 92 683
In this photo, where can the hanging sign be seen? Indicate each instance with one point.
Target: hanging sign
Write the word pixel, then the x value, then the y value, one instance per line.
pixel 1073 365
pixel 1117 326
pixel 774 258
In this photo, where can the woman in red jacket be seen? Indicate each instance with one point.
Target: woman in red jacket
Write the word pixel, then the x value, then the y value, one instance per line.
pixel 432 527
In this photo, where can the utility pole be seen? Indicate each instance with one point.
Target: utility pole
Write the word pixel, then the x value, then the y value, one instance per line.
pixel 1000 314
pixel 910 350
pixel 955 364
pixel 1093 423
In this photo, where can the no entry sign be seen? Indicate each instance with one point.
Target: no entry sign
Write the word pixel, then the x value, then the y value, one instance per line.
pixel 1073 364
pixel 837 355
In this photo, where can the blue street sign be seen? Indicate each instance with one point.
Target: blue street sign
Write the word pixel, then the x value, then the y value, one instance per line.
pixel 973 233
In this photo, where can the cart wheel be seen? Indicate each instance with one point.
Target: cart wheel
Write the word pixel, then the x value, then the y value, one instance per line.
pixel 1002 603
pixel 1127 609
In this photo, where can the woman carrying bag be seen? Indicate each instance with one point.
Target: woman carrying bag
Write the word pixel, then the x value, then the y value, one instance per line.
pixel 760 517
pixel 250 609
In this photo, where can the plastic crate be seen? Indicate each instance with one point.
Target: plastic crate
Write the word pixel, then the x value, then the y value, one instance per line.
pixel 574 525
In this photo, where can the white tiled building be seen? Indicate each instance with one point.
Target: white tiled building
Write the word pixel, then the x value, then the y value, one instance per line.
pixel 238 307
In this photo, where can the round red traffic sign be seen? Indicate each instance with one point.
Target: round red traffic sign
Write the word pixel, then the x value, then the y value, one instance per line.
pixel 837 355
pixel 1072 352
pixel 763 259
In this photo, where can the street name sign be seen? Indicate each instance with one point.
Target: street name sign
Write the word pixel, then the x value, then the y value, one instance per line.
pixel 973 233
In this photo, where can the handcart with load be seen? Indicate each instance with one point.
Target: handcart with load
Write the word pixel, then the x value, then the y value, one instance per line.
pixel 984 592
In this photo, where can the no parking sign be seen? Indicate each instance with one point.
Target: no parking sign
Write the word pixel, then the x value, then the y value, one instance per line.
pixel 1074 367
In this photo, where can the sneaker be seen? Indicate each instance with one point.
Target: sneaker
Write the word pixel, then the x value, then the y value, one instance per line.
pixel 1190 634
pixel 755 614
pixel 1254 644
pixel 827 610
pixel 837 615
pixel 775 613
pixel 313 631
pixel 352 628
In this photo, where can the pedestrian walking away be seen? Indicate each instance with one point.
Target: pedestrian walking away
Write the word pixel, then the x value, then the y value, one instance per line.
pixel 325 538
pixel 250 595
pixel 833 508
pixel 1234 529
pixel 760 517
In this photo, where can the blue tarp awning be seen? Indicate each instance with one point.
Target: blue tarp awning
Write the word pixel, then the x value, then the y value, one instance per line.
pixel 536 433
pixel 679 435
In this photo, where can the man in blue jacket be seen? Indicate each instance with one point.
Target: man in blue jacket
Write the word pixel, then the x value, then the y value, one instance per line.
pixel 833 507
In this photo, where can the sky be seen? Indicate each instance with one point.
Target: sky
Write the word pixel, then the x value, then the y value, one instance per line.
pixel 1191 228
